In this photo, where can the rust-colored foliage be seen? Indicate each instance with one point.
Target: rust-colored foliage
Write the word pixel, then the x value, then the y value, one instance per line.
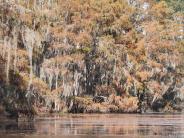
pixel 111 48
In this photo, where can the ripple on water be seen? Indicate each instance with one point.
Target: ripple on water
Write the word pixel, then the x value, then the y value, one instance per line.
pixel 102 125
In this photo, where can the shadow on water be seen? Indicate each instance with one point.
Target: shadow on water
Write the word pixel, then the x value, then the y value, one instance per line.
pixel 89 126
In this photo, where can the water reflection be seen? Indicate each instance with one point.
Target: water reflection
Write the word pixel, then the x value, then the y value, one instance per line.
pixel 12 127
pixel 128 125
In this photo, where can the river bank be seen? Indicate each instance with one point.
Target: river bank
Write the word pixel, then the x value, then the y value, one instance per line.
pixel 87 105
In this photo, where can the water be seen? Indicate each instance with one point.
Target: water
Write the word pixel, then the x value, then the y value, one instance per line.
pixel 97 126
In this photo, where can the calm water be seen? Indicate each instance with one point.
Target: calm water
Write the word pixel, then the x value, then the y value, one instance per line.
pixel 100 126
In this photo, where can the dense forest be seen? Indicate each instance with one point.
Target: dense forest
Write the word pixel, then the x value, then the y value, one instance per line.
pixel 91 56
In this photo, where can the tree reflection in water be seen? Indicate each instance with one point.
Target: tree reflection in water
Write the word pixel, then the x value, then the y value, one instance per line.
pixel 100 125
